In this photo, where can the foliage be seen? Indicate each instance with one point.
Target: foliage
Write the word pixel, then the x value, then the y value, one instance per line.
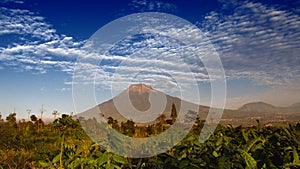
pixel 64 144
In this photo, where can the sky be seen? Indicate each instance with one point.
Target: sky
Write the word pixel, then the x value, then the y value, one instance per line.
pixel 41 42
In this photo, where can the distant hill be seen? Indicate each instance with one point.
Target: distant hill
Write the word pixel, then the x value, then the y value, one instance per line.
pixel 258 107
pixel 138 96
pixel 261 107
pixel 295 105
pixel 264 112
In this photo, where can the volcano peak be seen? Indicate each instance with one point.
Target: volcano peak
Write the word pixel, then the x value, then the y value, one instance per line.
pixel 140 88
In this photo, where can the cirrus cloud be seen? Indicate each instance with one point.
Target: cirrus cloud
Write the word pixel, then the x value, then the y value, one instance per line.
pixel 256 41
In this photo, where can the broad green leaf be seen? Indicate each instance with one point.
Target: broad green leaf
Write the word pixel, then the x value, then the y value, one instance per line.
pixel 245 135
pixel 56 159
pixel 183 163
pixel 287 132
pixel 115 166
pixel 109 166
pixel 119 159
pixel 296 156
pixel 44 164
pixel 250 144
pixel 104 158
pixel 215 154
pixel 250 161
pixel 220 141
pixel 288 165
pixel 222 162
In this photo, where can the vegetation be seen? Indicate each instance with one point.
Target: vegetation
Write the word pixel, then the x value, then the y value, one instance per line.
pixel 64 144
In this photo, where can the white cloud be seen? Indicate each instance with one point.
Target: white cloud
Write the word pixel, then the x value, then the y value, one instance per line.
pixel 152 59
pixel 46 53
pixel 38 47
pixel 150 5
pixel 43 55
pixel 64 89
pixel 256 41
pixel 21 22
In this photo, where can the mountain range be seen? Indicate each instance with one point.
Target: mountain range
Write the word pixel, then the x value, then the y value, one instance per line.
pixel 133 103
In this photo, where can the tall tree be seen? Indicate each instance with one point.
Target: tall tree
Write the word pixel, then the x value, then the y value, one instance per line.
pixel 33 118
pixel 173 113
pixel 162 119
pixel 11 119
pixel 1 120
pixel 110 121
pixel 128 128
pixel 68 128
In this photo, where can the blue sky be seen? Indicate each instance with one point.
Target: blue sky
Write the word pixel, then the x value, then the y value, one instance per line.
pixel 40 41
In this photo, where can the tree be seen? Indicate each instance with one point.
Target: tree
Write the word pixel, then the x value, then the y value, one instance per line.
pixel 161 122
pixel 38 122
pixel 173 113
pixel 110 121
pixel 113 123
pixel 1 120
pixel 162 119
pixel 11 119
pixel 128 128
pixel 67 127
pixel 150 130
pixel 33 118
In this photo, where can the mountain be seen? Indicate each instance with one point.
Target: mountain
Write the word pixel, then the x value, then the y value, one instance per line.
pixel 261 107
pixel 258 107
pixel 134 103
pixel 295 107
pixel 265 113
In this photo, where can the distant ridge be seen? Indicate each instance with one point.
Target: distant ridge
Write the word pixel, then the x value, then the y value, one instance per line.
pixel 262 107
pixel 295 105
pixel 258 107
pixel 138 96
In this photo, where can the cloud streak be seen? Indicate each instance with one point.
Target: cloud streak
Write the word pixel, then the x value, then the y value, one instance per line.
pixel 150 5
pixel 152 59
pixel 37 48
pixel 256 41
pixel 20 21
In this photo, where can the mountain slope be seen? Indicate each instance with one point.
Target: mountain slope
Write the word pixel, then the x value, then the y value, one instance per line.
pixel 134 103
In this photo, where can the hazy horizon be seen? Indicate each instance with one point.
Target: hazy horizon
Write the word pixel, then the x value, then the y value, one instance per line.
pixel 49 118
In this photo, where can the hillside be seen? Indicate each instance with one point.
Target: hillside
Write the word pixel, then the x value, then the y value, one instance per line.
pixel 134 104
pixel 138 95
